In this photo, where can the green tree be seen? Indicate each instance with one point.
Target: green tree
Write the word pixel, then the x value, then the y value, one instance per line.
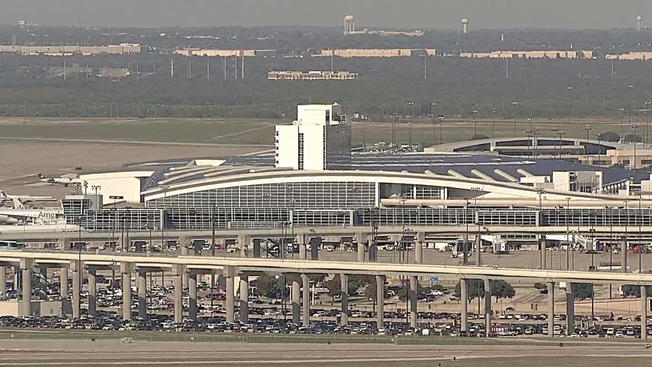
pixel 271 286
pixel 609 136
pixel 582 290
pixel 499 288
pixel 631 290
pixel 355 282
pixel 632 138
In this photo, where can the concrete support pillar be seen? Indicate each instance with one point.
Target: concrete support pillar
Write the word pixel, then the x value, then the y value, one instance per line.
pixel 478 253
pixel 413 293
pixel 643 313
pixel 570 309
pixel 184 242
pixel 26 266
pixel 487 307
pixel 177 280
pixel 256 250
pixel 373 251
pixel 302 250
pixel 125 271
pixel 305 300
pixel 542 252
pixel 3 282
pixel 192 296
pixel 315 244
pixel 63 244
pixel 229 275
pixel 380 301
pixel 623 254
pixel 244 298
pixel 344 293
pixel 418 248
pixel 551 309
pixel 243 243
pixel 75 268
pixel 63 283
pixel 295 300
pixel 142 293
pixel 92 292
pixel 464 299
pixel 361 245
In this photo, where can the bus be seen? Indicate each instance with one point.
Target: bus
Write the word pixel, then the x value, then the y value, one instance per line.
pixel 11 245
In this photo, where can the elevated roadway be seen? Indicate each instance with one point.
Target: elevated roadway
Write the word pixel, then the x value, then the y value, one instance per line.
pixel 319 266
pixel 34 235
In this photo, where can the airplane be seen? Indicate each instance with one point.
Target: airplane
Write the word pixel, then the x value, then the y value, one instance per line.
pixel 18 201
pixel 67 179
pixel 35 216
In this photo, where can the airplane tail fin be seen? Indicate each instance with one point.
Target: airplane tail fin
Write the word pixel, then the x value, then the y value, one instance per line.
pixel 18 204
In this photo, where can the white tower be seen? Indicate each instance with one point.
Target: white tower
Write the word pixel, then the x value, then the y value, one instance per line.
pixel 639 23
pixel 349 24
pixel 465 25
pixel 319 139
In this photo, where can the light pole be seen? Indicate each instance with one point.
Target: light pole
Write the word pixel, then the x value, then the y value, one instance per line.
pixel 475 122
pixel 570 103
pixel 394 116
pixel 634 164
pixel 568 244
pixel 514 103
pixel 647 125
pixel 622 112
pixel 587 128
pixel 493 124
pixel 434 122
pixel 165 203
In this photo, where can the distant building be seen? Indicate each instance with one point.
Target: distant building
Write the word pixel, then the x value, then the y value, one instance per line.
pixel 626 157
pixel 311 75
pixel 87 72
pixel 349 29
pixel 536 54
pixel 220 52
pixel 631 56
pixel 320 139
pixel 121 49
pixel 375 52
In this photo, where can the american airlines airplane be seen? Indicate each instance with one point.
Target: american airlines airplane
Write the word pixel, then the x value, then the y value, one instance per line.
pixel 19 214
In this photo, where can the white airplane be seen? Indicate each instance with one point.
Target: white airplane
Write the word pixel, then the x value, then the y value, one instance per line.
pixel 32 216
pixel 18 201
pixel 67 179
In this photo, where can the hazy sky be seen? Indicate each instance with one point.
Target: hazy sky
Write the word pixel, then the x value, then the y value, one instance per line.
pixel 438 14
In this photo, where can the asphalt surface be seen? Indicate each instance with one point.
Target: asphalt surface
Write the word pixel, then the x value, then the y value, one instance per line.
pixel 74 352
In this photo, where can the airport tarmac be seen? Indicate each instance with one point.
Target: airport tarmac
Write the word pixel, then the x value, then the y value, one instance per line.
pixel 55 158
pixel 75 352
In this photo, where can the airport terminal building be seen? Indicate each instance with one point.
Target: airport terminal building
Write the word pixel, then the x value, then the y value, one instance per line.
pixel 312 180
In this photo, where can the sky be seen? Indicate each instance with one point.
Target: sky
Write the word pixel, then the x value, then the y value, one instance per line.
pixel 435 14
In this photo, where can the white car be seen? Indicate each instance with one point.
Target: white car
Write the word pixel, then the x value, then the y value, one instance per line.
pixel 232 249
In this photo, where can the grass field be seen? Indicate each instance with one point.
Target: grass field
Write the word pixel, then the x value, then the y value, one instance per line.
pixel 260 131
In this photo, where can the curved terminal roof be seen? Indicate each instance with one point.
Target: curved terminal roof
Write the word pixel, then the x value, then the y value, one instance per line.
pixel 440 169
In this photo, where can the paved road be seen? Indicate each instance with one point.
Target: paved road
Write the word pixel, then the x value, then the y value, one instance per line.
pixel 145 353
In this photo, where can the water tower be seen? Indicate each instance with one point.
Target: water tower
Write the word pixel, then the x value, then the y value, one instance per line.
pixel 349 24
pixel 465 25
